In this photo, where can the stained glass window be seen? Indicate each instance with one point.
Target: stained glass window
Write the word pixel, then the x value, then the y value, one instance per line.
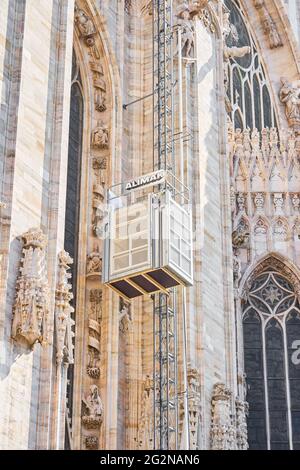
pixel 271 325
pixel 247 87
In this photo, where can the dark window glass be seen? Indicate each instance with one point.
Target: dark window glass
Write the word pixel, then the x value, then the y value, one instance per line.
pixel 237 88
pixel 253 350
pixel 238 123
pixel 257 103
pixel 267 108
pixel 293 344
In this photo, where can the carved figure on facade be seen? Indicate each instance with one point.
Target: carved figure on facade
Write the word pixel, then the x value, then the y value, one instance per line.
pixel 240 236
pixel 259 203
pixel 268 24
pixel 94 264
pixel 295 202
pixel 85 26
pixel 92 416
pixel 125 318
pixel 99 86
pixel 290 96
pixel 100 136
pixel 63 311
pixel 31 308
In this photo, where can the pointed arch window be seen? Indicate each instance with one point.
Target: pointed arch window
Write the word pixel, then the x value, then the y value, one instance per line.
pixel 247 88
pixel 271 330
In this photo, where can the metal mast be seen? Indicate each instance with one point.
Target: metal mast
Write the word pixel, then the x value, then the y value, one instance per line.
pixel 164 306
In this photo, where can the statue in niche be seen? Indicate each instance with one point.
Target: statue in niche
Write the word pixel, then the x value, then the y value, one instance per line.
pixel 100 136
pixel 290 95
pixel 94 264
pixel 185 14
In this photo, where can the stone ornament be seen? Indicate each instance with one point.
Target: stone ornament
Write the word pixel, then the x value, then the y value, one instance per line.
pixel 295 202
pixel 85 26
pixel 63 310
pixel 100 136
pixel 92 409
pixel 268 24
pixel 94 264
pixel 193 377
pixel 222 430
pixel 185 14
pixel 95 319
pixel 99 86
pixel 31 308
pixel 259 203
pixel 242 409
pixel 91 442
pixel 290 96
pixel 145 430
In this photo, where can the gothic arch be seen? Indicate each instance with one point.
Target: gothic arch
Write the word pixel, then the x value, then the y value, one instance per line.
pixel 100 167
pixel 272 260
pixel 270 328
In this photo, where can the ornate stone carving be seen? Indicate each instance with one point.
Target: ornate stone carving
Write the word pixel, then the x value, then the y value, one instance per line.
pixel 99 86
pixel 2 205
pixel 240 236
pixel 194 407
pixel 92 416
pixel 125 318
pixel 259 202
pixel 290 96
pixel 295 202
pixel 278 203
pixel 241 201
pixel 91 442
pixel 94 264
pixel 242 408
pixel 63 311
pixel 222 430
pixel 237 274
pixel 100 136
pixel 85 26
pixel 95 318
pixel 145 432
pixel 31 308
pixel 184 22
pixel 268 24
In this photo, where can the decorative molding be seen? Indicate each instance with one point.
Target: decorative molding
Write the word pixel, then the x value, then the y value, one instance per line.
pixel 268 24
pixel 63 310
pixel 223 434
pixel 31 308
pixel 92 407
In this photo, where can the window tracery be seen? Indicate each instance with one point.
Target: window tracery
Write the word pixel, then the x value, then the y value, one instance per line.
pixel 271 327
pixel 246 83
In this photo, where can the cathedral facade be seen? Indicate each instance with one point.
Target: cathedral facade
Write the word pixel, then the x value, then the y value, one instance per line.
pixel 77 360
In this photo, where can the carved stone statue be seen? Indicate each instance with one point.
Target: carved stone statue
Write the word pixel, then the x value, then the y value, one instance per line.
pixel 99 86
pixel 268 24
pixel 232 52
pixel 31 309
pixel 186 25
pixel 92 409
pixel 85 26
pixel 290 95
pixel 242 408
pixel 100 136
pixel 63 310
pixel 94 265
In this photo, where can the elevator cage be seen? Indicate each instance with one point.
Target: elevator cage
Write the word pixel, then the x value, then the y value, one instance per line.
pixel 148 236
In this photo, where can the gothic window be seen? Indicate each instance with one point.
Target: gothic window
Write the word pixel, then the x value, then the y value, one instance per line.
pixel 247 88
pixel 73 197
pixel 271 327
